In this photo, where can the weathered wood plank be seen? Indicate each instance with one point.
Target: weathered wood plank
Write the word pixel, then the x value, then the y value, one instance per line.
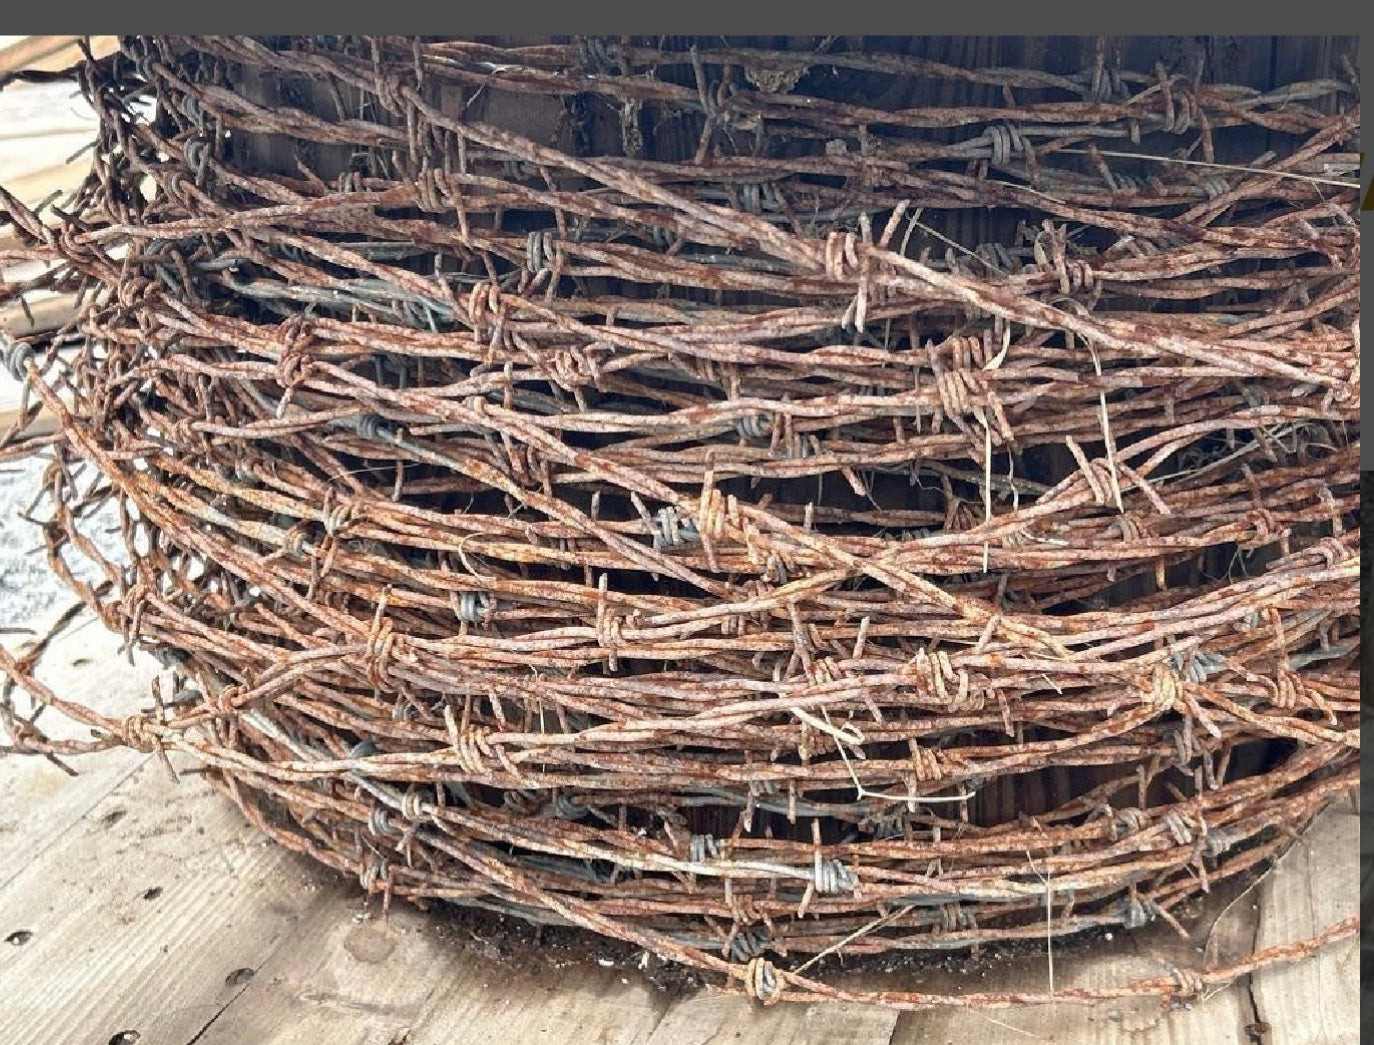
pixel 1228 1016
pixel 34 111
pixel 1219 1019
pixel 26 151
pixel 348 977
pixel 50 53
pixel 720 1018
pixel 577 1004
pixel 33 188
pixel 43 315
pixel 41 802
pixel 142 916
pixel 133 897
pixel 1315 884
pixel 339 979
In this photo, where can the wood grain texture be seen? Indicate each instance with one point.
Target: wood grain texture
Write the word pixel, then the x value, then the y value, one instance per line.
pixel 582 1003
pixel 1221 1019
pixel 141 916
pixel 338 979
pixel 40 802
pixel 715 1019
pixel 42 315
pixel 42 126
pixel 1218 1020
pixel 1315 884
pixel 348 977
pixel 50 54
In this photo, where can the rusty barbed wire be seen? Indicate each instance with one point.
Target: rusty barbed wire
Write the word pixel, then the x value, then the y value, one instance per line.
pixel 765 520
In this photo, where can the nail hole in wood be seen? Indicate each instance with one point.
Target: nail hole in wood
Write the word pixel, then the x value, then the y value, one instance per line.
pixel 19 937
pixel 153 893
pixel 238 977
pixel 125 1037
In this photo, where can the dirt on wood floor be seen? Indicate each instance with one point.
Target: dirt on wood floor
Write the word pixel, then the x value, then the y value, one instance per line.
pixel 539 950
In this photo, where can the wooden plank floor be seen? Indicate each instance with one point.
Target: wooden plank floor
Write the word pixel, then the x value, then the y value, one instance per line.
pixel 136 909
pixel 42 128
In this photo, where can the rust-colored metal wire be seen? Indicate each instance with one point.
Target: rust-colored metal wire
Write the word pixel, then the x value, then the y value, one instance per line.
pixel 764 517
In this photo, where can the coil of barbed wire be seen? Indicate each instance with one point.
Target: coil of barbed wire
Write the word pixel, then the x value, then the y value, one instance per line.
pixel 741 546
